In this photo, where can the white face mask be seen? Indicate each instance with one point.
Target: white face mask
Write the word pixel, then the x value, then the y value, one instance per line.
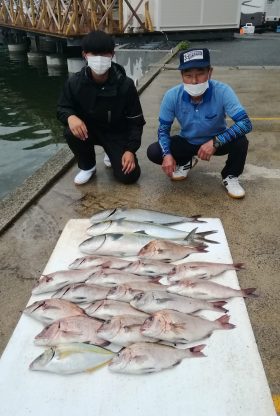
pixel 195 90
pixel 99 64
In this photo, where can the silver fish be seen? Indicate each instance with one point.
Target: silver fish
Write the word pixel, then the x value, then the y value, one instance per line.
pixel 71 329
pixel 200 268
pixel 124 330
pixel 141 358
pixel 71 359
pixel 153 230
pixel 178 327
pixel 200 289
pixel 104 261
pixel 106 309
pixel 142 215
pixel 147 267
pixel 168 250
pixel 153 301
pixel 61 278
pixel 109 277
pixel 126 244
pixel 82 293
pixel 49 310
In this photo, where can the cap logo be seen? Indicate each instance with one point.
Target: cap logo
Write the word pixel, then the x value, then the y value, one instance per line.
pixel 197 54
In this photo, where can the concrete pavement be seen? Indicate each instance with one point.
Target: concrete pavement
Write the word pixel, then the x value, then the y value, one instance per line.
pixel 251 225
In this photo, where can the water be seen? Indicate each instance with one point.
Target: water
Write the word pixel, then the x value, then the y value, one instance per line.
pixel 29 131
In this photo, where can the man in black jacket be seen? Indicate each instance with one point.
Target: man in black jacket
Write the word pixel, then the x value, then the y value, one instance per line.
pixel 100 106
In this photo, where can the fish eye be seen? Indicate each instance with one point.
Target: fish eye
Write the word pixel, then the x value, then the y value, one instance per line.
pixel 150 319
pixel 139 296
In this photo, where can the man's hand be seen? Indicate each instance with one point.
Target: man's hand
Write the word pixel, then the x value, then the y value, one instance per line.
pixel 128 162
pixel 206 150
pixel 77 127
pixel 168 165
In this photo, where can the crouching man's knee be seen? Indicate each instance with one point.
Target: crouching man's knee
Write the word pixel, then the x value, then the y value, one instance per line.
pixel 128 178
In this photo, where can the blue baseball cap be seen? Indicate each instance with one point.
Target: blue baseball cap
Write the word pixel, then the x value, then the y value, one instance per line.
pixel 194 58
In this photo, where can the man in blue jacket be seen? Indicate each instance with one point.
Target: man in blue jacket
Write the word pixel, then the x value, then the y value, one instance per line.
pixel 100 106
pixel 201 105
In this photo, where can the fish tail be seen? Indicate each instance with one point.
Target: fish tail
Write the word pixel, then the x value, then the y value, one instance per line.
pixel 224 322
pixel 249 292
pixel 191 235
pixel 196 218
pixel 219 305
pixel 201 249
pixel 239 266
pixel 196 350
pixel 156 279
pixel 205 233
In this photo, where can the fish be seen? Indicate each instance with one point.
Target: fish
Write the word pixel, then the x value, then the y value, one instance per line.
pixel 71 329
pixel 122 226
pixel 49 310
pixel 153 301
pixel 122 293
pixel 168 251
pixel 127 291
pixel 142 215
pixel 178 327
pixel 200 289
pixel 122 244
pixel 104 261
pixel 123 330
pixel 82 293
pixel 61 278
pixel 106 309
pixel 71 359
pixel 110 277
pixel 143 358
pixel 200 268
pixel 149 267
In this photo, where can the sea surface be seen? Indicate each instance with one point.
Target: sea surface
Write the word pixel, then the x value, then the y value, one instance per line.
pixel 29 131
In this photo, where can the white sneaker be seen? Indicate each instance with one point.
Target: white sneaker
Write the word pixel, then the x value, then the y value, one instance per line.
pixel 233 187
pixel 84 176
pixel 107 161
pixel 181 172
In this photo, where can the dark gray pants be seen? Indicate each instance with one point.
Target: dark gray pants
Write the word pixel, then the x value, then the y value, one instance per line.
pixel 113 145
pixel 183 151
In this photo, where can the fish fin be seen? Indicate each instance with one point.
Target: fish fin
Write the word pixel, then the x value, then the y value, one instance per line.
pixel 162 300
pixel 249 292
pixel 205 233
pixel 177 363
pixel 177 327
pixel 239 266
pixel 169 224
pixel 191 235
pixel 196 218
pixel 219 305
pixel 116 236
pixel 142 232
pixel 196 350
pixel 91 370
pixel 224 321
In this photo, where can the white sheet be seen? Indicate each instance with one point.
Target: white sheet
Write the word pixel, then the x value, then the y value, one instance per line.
pixel 230 381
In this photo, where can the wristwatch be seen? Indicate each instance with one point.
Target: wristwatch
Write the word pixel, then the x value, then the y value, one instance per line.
pixel 216 142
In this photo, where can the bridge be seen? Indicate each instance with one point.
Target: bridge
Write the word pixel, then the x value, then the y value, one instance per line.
pixel 74 18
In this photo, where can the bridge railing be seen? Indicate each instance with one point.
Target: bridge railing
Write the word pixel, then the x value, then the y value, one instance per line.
pixel 73 17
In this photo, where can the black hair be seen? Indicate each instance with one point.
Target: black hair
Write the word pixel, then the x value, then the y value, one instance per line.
pixel 98 42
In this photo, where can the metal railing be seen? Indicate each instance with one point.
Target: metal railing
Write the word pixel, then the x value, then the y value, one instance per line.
pixel 68 18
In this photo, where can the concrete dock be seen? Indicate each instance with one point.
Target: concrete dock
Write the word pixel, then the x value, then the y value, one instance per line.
pixel 251 225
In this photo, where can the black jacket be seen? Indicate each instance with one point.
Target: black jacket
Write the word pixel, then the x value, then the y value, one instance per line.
pixel 112 108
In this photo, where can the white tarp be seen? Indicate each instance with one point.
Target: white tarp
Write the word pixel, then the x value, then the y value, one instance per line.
pixel 230 381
